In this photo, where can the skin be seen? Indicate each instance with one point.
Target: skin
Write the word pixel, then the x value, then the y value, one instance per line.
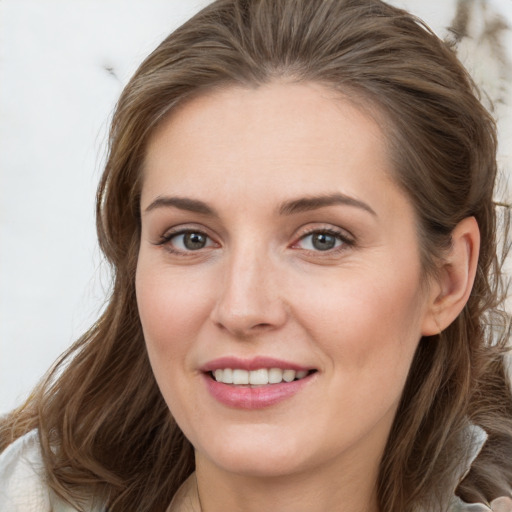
pixel 260 286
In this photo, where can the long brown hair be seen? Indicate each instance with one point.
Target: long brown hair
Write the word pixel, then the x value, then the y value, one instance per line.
pixel 103 425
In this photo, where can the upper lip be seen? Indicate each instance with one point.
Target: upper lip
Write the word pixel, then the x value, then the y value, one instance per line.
pixel 254 363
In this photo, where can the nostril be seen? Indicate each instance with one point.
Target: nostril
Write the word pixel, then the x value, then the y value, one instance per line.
pixel 243 330
pixel 262 326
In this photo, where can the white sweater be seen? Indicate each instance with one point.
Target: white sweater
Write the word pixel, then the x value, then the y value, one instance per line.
pixel 22 480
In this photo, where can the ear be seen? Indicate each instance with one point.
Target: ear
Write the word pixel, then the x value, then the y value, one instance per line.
pixel 450 290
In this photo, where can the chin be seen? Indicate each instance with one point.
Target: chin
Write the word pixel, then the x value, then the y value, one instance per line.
pixel 258 466
pixel 256 457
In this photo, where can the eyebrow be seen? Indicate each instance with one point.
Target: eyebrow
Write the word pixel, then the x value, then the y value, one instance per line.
pixel 182 203
pixel 295 206
pixel 305 204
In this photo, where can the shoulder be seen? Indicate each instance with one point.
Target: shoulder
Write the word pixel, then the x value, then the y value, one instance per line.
pixel 23 485
pixel 503 504
pixel 476 437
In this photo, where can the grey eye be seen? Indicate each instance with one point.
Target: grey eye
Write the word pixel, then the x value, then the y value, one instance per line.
pixel 323 241
pixel 186 241
pixel 194 241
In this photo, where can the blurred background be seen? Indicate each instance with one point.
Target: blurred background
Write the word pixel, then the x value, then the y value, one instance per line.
pixel 62 66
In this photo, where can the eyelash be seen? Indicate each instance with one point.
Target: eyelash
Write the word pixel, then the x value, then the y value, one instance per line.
pixel 341 236
pixel 166 239
pixel 346 241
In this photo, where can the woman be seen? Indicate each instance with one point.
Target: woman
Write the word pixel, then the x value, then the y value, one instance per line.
pixel 297 206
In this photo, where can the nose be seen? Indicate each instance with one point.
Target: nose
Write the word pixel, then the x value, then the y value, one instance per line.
pixel 250 299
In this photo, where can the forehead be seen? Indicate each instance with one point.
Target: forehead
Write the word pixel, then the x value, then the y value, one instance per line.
pixel 274 140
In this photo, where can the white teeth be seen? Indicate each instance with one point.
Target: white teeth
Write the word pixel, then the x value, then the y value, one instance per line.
pixel 275 375
pixel 288 375
pixel 227 376
pixel 240 377
pixel 260 377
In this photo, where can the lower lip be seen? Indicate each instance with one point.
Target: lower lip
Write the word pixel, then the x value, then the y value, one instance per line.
pixel 257 397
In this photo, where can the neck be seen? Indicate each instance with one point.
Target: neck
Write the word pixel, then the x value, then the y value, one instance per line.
pixel 353 489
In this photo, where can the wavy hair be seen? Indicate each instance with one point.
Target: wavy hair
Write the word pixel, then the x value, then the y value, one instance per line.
pixel 103 426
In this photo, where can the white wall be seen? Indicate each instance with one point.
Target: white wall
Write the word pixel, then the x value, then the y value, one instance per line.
pixel 62 65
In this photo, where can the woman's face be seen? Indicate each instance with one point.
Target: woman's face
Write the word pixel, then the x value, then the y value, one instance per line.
pixel 275 246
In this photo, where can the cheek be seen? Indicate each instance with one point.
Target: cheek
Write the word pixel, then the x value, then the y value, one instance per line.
pixel 366 321
pixel 369 334
pixel 172 309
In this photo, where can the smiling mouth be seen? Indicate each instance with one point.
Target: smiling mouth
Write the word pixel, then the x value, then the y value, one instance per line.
pixel 260 377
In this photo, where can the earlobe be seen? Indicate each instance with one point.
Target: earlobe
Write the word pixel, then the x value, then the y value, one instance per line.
pixel 452 287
